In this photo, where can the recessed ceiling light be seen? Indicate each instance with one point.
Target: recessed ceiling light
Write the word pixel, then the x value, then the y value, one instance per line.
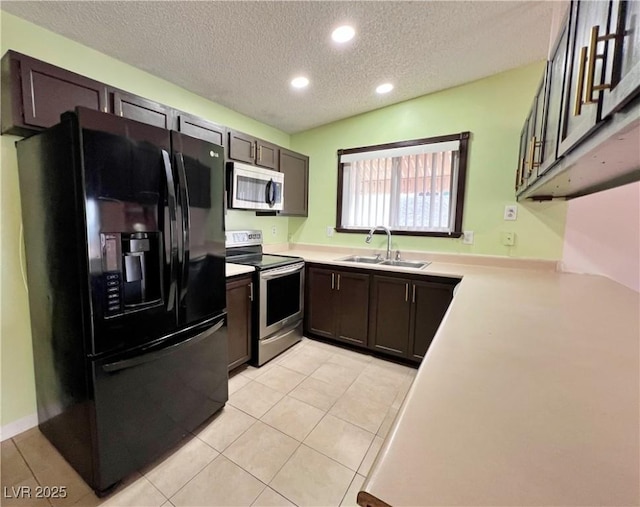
pixel 384 88
pixel 300 82
pixel 343 33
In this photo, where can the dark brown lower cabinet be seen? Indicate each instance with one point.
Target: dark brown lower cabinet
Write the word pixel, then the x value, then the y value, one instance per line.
pixel 337 305
pixel 390 315
pixel 239 300
pixel 406 314
pixel 396 315
pixel 429 303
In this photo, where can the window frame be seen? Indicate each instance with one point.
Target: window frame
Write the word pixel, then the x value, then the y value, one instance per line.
pixel 462 137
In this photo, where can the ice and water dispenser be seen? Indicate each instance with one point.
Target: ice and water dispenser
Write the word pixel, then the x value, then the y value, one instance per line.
pixel 132 271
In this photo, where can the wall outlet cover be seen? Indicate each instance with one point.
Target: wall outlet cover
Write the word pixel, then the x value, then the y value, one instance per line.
pixel 467 237
pixel 274 230
pixel 508 238
pixel 330 231
pixel 511 212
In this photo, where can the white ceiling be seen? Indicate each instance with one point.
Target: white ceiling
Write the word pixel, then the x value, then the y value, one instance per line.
pixel 243 54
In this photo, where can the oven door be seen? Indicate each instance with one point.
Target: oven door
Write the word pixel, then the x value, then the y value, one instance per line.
pixel 281 300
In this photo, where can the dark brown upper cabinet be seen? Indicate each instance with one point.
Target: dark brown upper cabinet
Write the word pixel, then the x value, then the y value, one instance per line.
pixel 337 305
pixel 202 129
pixel 35 94
pixel 581 112
pixel 249 149
pixel 295 167
pixel 553 104
pixel 140 109
pixel 622 71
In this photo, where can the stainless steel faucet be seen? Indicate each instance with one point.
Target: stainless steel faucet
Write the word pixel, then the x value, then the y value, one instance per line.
pixel 386 229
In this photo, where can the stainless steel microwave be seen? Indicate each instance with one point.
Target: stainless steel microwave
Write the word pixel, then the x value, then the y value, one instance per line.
pixel 253 187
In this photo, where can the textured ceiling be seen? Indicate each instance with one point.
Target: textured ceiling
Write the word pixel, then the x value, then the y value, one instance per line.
pixel 243 54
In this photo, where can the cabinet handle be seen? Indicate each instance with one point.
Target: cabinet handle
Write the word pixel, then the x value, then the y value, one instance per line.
pixel 532 154
pixel 338 281
pixel 252 150
pixel 259 153
pixel 406 292
pixel 577 107
pixel 332 281
pixel 593 56
pixel 413 296
pixel 251 291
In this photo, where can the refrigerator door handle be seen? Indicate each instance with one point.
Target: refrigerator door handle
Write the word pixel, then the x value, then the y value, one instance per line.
pixel 157 354
pixel 171 204
pixel 186 219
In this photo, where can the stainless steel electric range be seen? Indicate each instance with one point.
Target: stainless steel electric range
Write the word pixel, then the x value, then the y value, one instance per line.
pixel 279 303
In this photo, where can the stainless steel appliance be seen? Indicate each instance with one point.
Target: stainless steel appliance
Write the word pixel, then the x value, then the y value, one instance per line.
pixel 279 306
pixel 253 187
pixel 124 237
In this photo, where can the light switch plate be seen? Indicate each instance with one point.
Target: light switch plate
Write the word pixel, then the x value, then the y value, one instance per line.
pixel 330 231
pixel 511 212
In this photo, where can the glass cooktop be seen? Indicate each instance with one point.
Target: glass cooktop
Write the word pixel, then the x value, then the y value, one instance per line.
pixel 263 261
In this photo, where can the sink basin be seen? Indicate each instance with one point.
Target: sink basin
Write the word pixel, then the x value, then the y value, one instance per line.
pixel 361 259
pixel 405 264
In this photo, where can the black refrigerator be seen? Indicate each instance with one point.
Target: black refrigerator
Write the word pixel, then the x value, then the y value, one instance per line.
pixel 125 253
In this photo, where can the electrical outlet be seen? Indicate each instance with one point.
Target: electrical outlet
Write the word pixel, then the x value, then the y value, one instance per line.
pixel 274 230
pixel 330 231
pixel 511 212
pixel 508 238
pixel 467 237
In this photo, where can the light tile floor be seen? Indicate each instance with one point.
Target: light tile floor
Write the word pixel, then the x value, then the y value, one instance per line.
pixel 302 430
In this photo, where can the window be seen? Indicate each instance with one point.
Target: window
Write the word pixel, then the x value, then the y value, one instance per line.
pixel 413 187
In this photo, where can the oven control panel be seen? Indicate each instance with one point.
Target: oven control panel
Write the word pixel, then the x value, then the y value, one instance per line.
pixel 243 238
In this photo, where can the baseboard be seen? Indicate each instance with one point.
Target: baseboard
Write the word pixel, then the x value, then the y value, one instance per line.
pixel 16 427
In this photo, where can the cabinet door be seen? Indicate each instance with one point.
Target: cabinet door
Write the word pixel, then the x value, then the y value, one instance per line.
pixel 319 303
pixel 556 71
pixel 142 110
pixel 582 106
pixel 239 297
pixel 267 155
pixel 623 56
pixel 295 168
pixel 522 155
pixel 242 147
pixel 48 91
pixel 390 314
pixel 429 304
pixel 352 307
pixel 202 129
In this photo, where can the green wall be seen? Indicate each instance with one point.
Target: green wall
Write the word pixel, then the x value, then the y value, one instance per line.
pixel 493 110
pixel 17 388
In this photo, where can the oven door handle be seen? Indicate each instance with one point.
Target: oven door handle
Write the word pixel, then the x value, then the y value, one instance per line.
pixel 277 273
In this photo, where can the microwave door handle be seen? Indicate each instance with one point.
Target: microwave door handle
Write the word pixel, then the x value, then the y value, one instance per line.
pixel 173 241
pixel 268 193
pixel 186 223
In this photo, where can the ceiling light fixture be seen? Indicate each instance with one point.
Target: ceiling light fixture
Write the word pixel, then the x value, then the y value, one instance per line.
pixel 384 88
pixel 343 34
pixel 300 82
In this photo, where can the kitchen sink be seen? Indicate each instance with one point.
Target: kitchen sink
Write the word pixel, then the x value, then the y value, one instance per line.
pixel 362 259
pixel 405 264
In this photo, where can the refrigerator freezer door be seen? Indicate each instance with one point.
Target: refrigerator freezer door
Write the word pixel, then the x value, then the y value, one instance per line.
pixel 147 402
pixel 131 230
pixel 199 168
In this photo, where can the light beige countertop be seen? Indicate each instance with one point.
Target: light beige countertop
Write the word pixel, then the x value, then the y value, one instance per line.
pixel 237 269
pixel 528 395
